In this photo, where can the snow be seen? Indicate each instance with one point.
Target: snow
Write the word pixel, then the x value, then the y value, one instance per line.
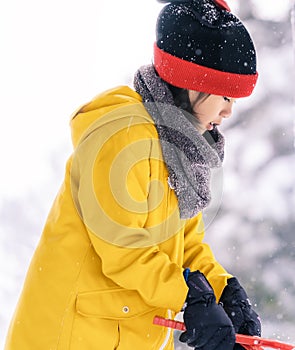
pixel 58 55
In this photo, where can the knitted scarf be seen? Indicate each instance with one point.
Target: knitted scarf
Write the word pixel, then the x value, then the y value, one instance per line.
pixel 188 155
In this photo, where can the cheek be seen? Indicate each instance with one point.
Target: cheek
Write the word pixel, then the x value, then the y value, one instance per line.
pixel 208 112
pixel 204 119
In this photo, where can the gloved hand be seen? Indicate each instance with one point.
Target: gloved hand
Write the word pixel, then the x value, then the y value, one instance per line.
pixel 238 307
pixel 207 325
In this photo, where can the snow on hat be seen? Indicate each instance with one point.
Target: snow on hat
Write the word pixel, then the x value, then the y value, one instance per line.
pixel 200 45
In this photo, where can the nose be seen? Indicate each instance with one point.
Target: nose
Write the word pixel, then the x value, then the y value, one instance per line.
pixel 226 112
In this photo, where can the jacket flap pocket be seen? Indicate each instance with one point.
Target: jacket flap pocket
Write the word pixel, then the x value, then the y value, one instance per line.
pixel 111 304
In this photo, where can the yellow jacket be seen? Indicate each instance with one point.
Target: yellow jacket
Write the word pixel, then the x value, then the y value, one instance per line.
pixel 113 248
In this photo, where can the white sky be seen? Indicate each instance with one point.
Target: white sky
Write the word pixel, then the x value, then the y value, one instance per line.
pixel 57 55
pixel 272 9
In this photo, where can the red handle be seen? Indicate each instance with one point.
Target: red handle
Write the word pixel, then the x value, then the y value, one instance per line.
pixel 247 341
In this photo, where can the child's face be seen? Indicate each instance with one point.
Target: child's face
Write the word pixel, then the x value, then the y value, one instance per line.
pixel 211 110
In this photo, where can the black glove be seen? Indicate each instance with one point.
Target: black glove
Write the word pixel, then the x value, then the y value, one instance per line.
pixel 238 307
pixel 207 325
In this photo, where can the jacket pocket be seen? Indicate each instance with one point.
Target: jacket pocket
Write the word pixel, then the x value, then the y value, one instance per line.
pixel 113 304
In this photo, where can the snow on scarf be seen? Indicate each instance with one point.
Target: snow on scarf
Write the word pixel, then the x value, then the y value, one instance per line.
pixel 188 155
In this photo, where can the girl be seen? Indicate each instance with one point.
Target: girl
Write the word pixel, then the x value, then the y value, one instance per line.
pixel 123 241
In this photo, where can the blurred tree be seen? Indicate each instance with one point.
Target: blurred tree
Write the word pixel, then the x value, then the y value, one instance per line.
pixel 253 233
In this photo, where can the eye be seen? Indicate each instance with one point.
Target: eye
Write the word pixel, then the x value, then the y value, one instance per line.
pixel 226 99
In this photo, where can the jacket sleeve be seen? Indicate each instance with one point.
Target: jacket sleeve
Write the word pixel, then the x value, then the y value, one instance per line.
pixel 199 256
pixel 114 182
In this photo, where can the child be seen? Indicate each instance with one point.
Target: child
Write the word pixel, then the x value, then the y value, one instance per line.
pixel 127 221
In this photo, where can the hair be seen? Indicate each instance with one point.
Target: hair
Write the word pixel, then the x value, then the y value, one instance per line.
pixel 182 100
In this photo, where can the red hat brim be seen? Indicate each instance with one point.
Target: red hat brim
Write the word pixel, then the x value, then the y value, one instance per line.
pixel 191 76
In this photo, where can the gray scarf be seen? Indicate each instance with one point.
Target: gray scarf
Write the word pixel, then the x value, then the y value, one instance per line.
pixel 188 155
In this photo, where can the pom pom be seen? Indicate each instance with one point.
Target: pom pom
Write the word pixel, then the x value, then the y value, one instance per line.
pixel 222 4
pixel 173 1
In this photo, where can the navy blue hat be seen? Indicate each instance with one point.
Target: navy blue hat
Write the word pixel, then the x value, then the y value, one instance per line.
pixel 200 45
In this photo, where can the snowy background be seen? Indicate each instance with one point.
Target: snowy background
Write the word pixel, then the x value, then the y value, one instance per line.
pixel 57 55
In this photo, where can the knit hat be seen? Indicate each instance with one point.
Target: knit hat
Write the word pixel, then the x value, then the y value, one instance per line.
pixel 200 45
